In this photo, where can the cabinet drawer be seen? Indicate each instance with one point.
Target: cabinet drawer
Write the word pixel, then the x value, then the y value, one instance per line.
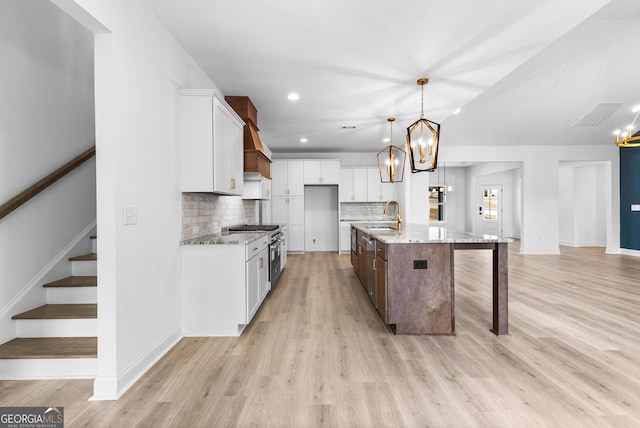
pixel 256 246
pixel 381 250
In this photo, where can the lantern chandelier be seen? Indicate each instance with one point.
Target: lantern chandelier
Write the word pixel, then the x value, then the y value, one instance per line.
pixel 422 139
pixel 627 140
pixel 391 160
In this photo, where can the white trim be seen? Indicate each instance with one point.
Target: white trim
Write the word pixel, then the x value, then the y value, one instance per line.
pixel 48 368
pixel 37 280
pixel 112 387
pixel 628 252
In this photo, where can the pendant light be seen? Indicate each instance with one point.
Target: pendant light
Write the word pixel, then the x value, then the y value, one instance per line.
pixel 625 139
pixel 391 160
pixel 423 137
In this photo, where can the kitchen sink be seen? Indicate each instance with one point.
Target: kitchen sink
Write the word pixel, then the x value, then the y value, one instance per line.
pixel 380 227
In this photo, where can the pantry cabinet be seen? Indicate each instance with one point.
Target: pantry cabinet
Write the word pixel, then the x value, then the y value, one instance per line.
pixel 211 146
pixel 287 178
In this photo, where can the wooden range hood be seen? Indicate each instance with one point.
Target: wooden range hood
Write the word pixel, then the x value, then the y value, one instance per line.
pixel 256 160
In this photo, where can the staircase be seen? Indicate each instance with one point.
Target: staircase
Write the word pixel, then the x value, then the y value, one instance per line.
pixel 58 339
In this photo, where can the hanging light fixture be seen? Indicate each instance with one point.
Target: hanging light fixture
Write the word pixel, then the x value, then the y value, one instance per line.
pixel 628 140
pixel 422 139
pixel 391 160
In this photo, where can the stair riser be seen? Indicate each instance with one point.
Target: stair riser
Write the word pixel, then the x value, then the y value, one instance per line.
pixel 54 368
pixel 62 295
pixel 84 268
pixel 57 328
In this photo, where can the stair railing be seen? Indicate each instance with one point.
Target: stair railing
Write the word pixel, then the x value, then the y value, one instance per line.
pixel 23 197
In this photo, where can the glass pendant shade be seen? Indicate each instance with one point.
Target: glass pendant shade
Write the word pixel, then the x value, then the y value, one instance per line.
pixel 423 138
pixel 391 161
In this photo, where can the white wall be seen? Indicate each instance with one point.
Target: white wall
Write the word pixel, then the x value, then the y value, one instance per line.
pixel 582 210
pixel 540 187
pixel 139 68
pixel 321 218
pixel 46 119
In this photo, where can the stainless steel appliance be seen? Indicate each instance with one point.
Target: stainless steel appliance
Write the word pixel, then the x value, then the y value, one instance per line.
pixel 275 245
pixel 371 273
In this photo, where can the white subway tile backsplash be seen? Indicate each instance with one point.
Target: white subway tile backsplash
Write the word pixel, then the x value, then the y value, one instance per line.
pixel 213 212
pixel 367 211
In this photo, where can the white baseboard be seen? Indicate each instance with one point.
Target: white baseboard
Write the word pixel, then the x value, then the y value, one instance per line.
pixel 628 252
pixel 112 387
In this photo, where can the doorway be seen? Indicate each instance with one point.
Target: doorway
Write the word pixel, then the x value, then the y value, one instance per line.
pixel 489 219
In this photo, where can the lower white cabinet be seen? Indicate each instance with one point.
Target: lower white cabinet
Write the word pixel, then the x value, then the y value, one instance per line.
pixel 223 286
pixel 345 237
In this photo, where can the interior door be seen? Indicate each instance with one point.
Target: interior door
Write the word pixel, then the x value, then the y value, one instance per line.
pixel 489 215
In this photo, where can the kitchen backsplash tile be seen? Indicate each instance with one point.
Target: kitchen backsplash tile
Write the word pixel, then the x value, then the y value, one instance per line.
pixel 210 213
pixel 367 211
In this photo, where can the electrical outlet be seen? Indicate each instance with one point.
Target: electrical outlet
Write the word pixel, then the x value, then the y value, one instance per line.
pixel 419 264
pixel 195 229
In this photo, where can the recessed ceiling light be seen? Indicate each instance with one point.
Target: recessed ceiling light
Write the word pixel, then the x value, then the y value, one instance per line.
pixel 293 96
pixel 456 111
pixel 304 140
pixel 386 140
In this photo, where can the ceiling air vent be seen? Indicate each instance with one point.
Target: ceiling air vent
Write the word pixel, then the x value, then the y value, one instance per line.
pixel 348 127
pixel 597 114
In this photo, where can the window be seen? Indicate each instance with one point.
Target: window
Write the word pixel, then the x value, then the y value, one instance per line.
pixel 436 203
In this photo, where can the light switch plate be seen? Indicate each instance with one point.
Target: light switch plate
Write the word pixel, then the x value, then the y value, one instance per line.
pixel 130 214
pixel 635 207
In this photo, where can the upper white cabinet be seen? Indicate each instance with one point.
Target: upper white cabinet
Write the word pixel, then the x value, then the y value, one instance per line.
pixel 353 185
pixel 211 145
pixel 287 178
pixel 377 191
pixel 321 172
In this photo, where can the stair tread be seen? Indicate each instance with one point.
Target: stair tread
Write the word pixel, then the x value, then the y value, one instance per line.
pixel 93 237
pixel 75 281
pixel 60 311
pixel 84 257
pixel 50 347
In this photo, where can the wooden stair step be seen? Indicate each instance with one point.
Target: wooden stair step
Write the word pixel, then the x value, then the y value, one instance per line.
pixel 60 311
pixel 84 257
pixel 93 237
pixel 75 281
pixel 50 347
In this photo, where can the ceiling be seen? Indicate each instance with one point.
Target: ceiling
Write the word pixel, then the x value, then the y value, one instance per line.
pixel 522 72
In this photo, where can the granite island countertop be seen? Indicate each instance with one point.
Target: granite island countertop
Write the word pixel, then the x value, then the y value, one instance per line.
pixel 226 238
pixel 421 234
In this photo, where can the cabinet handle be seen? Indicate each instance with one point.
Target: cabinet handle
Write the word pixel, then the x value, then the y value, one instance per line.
pixel 255 249
pixel 267 193
pixel 374 264
pixel 233 183
pixel 261 262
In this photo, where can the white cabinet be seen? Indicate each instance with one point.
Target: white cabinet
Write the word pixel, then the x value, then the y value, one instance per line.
pixel 321 172
pixel 211 146
pixel 287 178
pixel 257 189
pixel 345 237
pixel 223 286
pixel 290 211
pixel 377 191
pixel 353 185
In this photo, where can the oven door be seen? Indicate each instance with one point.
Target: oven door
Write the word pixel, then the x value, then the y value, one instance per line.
pixel 274 262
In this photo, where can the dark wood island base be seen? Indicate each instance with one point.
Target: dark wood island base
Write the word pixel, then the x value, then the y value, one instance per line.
pixel 414 277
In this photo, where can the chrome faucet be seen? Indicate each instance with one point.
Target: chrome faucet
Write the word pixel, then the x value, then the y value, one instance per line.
pixel 386 208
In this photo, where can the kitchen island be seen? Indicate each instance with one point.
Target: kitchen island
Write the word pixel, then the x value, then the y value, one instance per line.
pixel 409 274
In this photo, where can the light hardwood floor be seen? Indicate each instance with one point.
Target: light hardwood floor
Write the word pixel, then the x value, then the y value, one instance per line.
pixel 317 354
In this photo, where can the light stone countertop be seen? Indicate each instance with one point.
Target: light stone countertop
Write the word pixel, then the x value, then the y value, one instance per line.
pixel 225 238
pixel 421 234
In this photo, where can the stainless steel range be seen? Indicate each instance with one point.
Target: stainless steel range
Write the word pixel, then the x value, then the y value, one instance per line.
pixel 275 245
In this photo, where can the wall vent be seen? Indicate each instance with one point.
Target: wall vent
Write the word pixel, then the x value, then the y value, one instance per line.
pixel 597 114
